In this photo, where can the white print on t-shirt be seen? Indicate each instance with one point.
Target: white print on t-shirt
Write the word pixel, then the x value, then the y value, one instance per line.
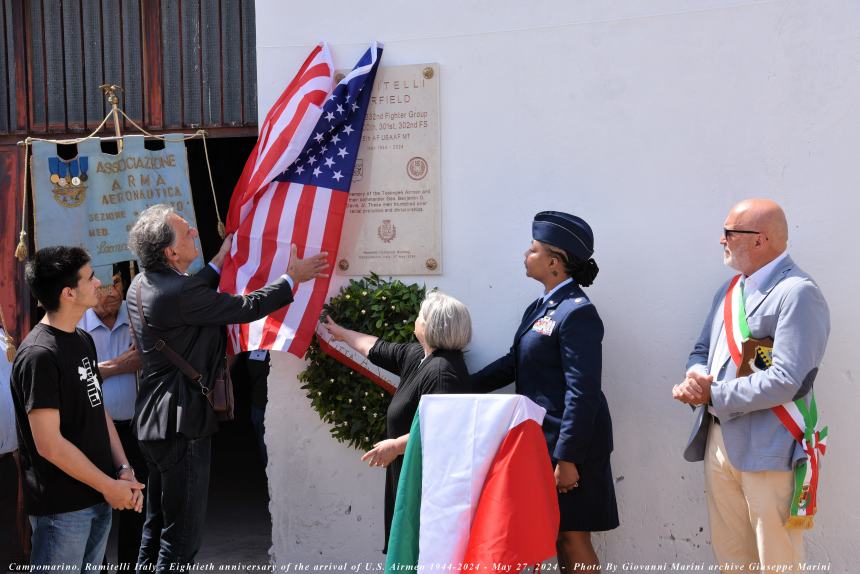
pixel 94 391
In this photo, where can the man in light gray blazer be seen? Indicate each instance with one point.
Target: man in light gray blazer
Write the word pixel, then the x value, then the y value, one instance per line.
pixel 749 455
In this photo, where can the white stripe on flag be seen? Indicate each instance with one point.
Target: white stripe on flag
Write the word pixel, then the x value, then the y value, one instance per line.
pixel 281 257
pixel 255 241
pixel 313 242
pixel 453 474
pixel 288 113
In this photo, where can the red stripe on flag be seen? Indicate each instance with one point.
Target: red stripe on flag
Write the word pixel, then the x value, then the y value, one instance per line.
pixel 232 263
pixel 729 322
pixel 269 241
pixel 273 154
pixel 269 248
pixel 238 198
pixel 330 244
pixel 304 210
pixel 516 521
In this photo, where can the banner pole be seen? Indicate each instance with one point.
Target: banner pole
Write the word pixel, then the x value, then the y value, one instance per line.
pixel 110 91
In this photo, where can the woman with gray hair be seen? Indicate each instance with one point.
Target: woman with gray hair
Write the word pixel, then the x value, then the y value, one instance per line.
pixel 432 365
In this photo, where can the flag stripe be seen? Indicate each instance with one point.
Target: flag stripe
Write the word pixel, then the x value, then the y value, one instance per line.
pixel 280 250
pixel 300 237
pixel 403 549
pixel 300 207
pixel 278 256
pixel 454 470
pixel 453 483
pixel 241 192
pixel 330 243
pixel 517 516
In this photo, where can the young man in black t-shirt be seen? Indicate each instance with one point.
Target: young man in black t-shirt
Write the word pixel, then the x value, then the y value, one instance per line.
pixel 70 451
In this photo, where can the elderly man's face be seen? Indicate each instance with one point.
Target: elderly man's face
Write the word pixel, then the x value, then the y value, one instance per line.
pixel 110 297
pixel 185 247
pixel 738 241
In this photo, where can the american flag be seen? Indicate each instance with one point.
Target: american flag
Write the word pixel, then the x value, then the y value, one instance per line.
pixel 308 145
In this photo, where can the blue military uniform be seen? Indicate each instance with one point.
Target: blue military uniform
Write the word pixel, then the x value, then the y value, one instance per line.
pixel 556 361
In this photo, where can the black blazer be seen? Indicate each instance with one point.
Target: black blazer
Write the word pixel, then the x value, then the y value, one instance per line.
pixel 189 313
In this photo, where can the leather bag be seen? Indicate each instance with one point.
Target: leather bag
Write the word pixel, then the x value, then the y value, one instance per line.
pixel 219 397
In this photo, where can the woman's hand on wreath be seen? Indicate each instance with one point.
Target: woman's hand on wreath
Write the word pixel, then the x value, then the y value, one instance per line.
pixel 336 331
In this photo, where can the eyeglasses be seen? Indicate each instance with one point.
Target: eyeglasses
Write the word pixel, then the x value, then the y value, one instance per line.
pixel 727 233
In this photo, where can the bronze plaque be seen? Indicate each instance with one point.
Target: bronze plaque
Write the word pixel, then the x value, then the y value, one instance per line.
pixel 393 222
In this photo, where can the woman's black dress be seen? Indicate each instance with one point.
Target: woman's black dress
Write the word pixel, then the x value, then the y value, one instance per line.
pixel 442 372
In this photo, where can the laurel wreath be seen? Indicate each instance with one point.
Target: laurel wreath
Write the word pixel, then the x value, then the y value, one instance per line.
pixel 351 403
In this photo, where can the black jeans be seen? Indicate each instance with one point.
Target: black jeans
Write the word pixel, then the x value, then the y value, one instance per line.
pixel 177 491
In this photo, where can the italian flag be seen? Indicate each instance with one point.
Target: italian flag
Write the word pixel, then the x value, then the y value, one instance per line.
pixel 477 491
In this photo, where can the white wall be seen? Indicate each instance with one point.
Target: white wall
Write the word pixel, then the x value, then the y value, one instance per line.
pixel 649 118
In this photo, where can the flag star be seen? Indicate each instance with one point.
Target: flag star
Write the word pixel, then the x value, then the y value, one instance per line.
pixel 312 160
pixel 335 139
pixel 354 106
pixel 348 129
pixel 319 137
pixel 342 152
pixel 329 162
pixel 317 171
pixel 323 149
pixel 340 109
pixel 337 175
pixel 329 116
pixel 299 169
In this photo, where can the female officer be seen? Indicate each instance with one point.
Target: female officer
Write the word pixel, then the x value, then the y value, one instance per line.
pixel 556 361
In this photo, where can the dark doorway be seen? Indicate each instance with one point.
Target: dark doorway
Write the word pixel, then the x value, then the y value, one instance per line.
pixel 238 525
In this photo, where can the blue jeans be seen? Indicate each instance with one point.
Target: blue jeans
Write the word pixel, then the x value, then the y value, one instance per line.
pixel 71 538
pixel 177 491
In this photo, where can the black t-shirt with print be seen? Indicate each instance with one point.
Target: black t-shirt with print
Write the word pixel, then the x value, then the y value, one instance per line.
pixel 55 369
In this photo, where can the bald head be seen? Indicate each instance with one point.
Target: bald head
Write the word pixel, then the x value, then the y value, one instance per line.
pixel 750 252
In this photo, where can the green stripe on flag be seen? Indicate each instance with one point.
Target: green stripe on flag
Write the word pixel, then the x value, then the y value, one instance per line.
pixel 406 523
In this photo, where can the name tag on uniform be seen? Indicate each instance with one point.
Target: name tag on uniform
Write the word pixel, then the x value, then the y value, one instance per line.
pixel 544 326
pixel 259 355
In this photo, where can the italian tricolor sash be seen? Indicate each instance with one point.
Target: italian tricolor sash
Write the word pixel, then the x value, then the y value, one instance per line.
pixel 799 419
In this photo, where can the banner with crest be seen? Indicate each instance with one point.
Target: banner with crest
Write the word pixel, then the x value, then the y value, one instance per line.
pixel 93 199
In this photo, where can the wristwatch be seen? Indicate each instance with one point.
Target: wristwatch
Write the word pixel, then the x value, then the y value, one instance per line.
pixel 123 467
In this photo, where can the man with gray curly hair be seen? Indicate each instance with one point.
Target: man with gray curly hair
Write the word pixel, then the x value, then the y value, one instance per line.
pixel 173 311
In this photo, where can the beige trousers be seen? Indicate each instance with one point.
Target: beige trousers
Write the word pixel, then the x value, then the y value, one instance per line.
pixel 747 512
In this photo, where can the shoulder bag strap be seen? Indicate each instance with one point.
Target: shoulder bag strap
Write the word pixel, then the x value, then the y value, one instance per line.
pixel 160 345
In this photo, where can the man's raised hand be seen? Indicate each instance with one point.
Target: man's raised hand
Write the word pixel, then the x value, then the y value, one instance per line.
pixel 301 270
